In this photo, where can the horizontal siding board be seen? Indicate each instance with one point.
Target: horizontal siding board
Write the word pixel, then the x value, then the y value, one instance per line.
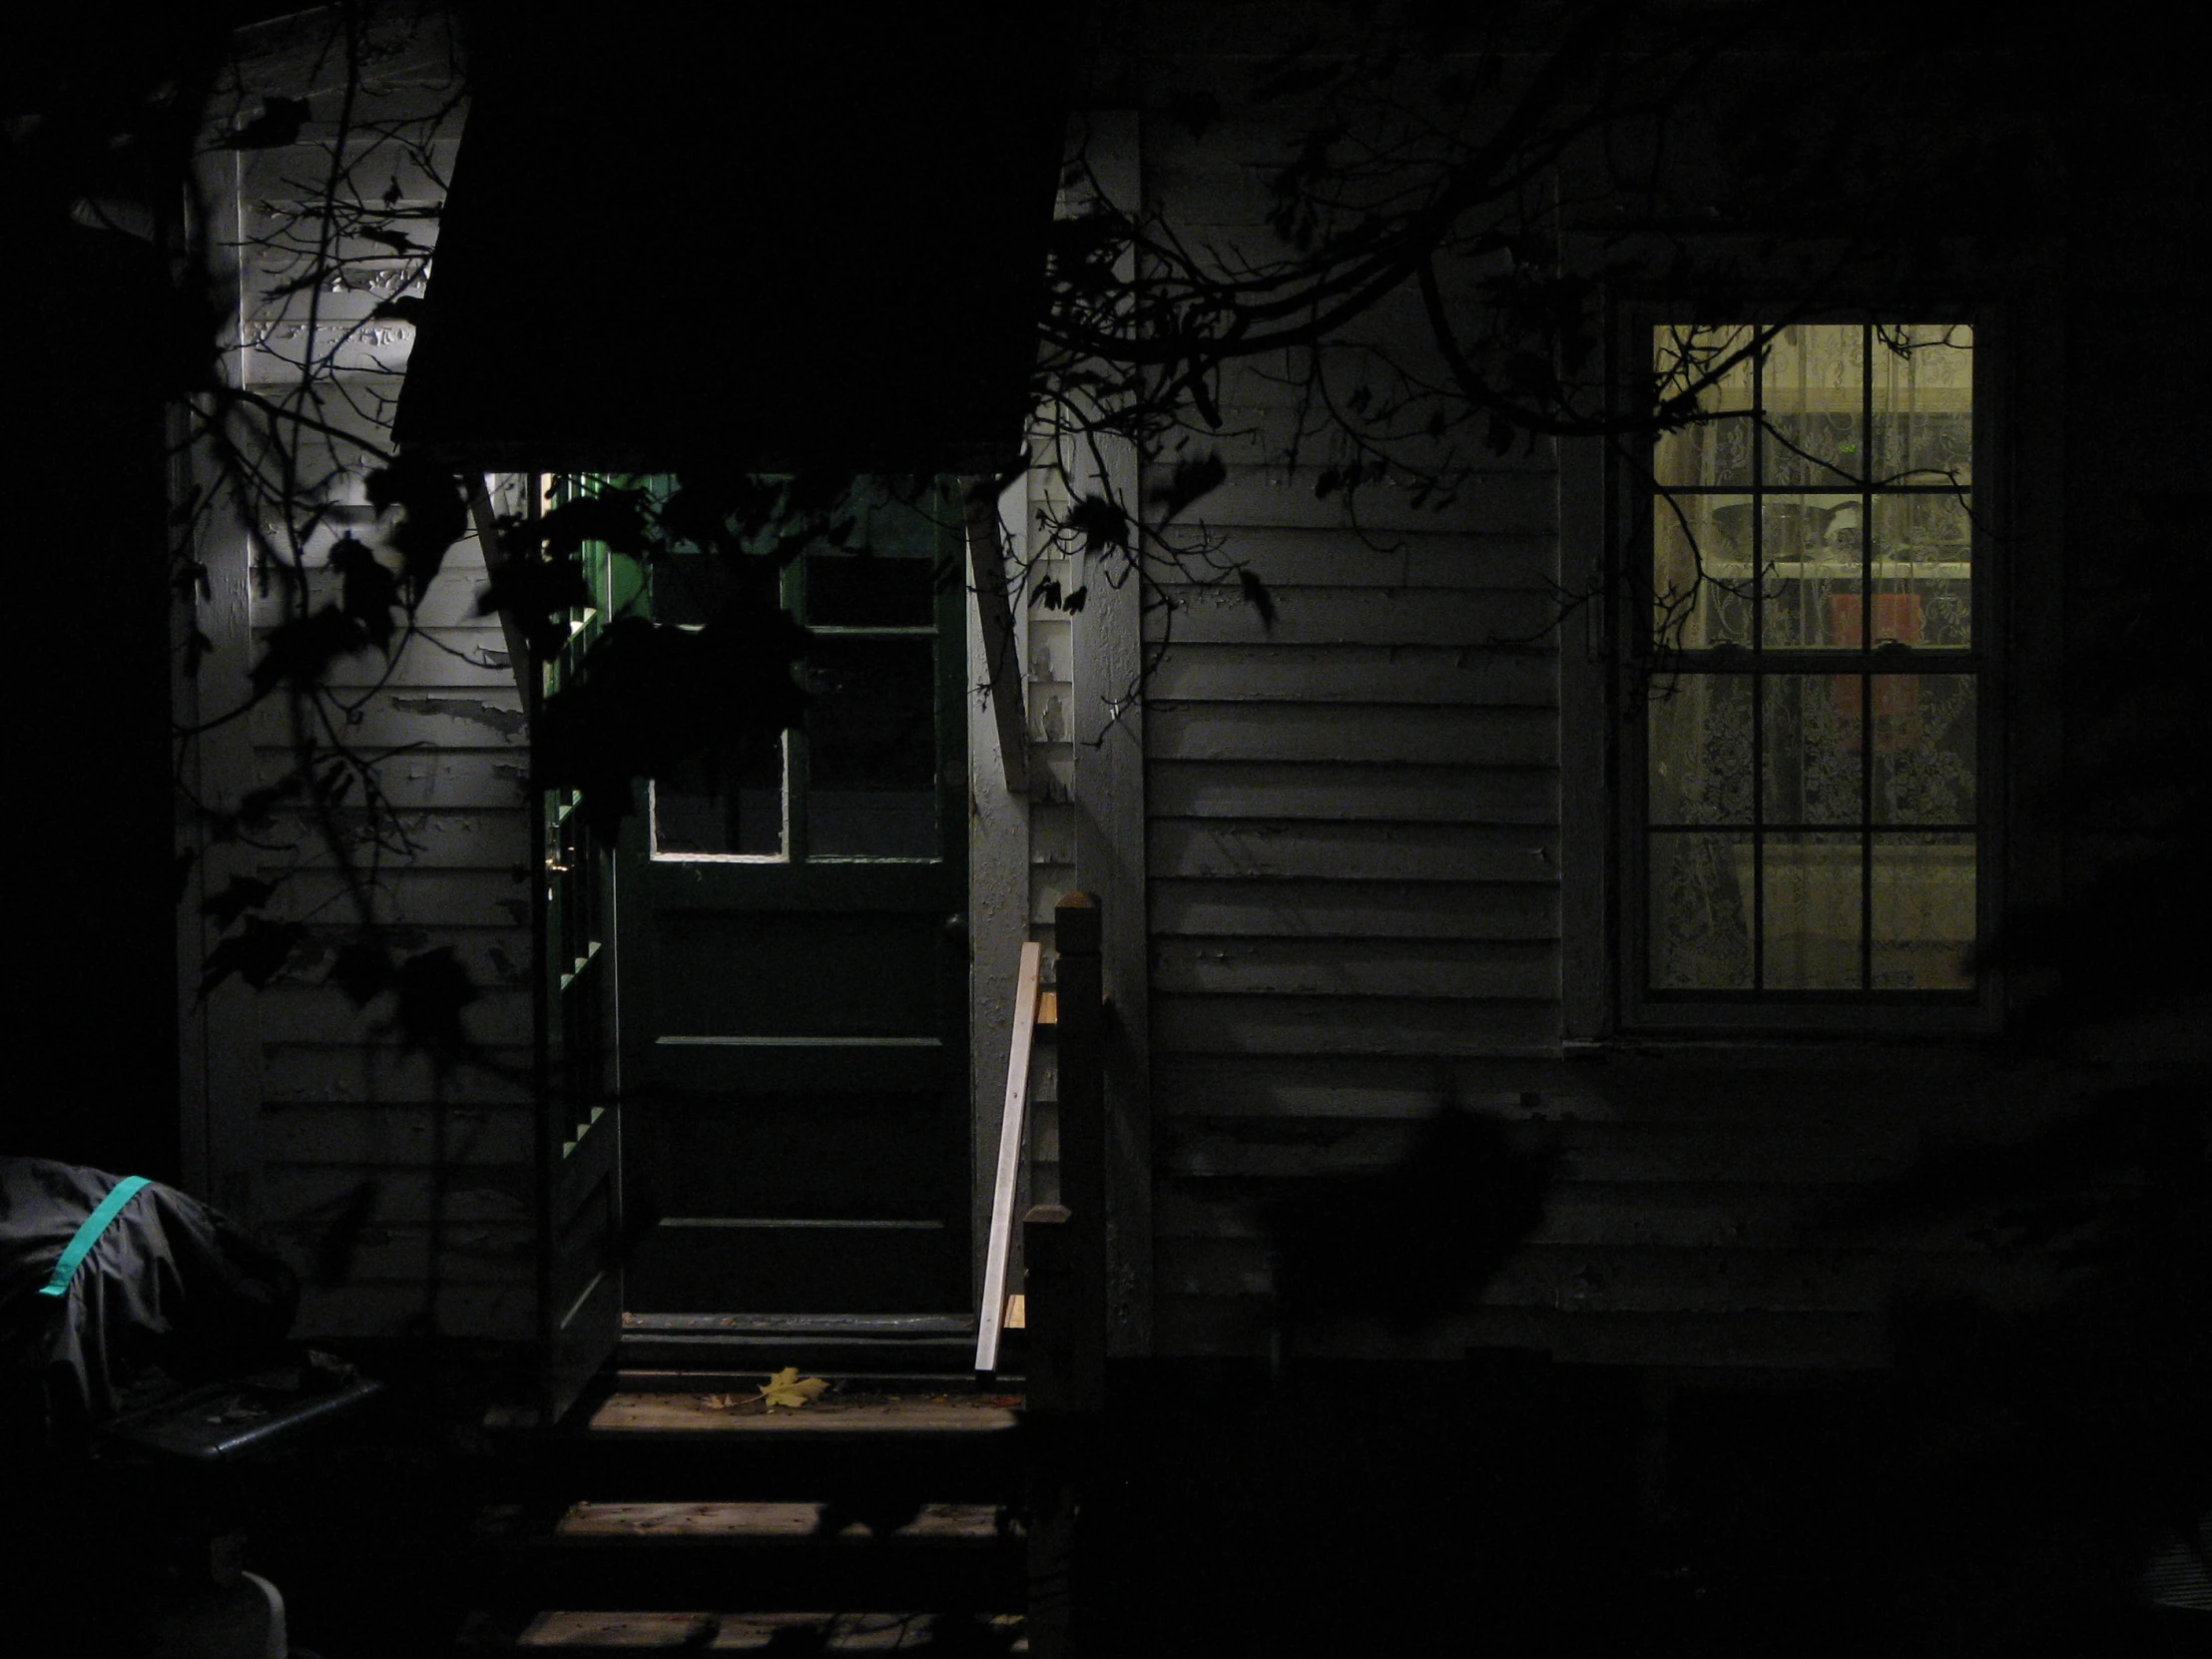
pixel 431 898
pixel 449 601
pixel 1271 436
pixel 495 842
pixel 1413 560
pixel 1469 970
pixel 469 719
pixel 302 1198
pixel 498 1312
pixel 1820 1173
pixel 1576 1279
pixel 1361 1088
pixel 500 1016
pixel 461 1253
pixel 1491 736
pixel 447 778
pixel 1475 619
pixel 323 1074
pixel 276 353
pixel 1456 909
pixel 447 658
pixel 1766 1340
pixel 1353 790
pixel 297 173
pixel 490 956
pixel 1370 674
pixel 1504 503
pixel 1350 1025
pixel 395 1134
pixel 1241 1326
pixel 1318 852
pixel 1725 1216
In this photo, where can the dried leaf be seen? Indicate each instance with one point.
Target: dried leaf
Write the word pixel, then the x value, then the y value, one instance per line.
pixel 787 1388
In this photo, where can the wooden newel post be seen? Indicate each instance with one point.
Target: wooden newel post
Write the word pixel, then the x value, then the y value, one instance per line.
pixel 1074 1251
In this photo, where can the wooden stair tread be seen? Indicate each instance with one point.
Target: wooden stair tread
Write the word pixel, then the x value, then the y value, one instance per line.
pixel 836 1412
pixel 771 1523
pixel 591 1633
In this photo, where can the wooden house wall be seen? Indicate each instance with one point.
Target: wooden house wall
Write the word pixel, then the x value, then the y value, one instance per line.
pixel 399 1191
pixel 1372 835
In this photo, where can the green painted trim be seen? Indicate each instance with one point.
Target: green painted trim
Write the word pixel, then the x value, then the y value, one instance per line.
pixel 88 1235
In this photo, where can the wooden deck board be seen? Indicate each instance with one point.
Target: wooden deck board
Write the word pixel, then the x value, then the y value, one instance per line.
pixel 836 1412
pixel 769 1523
pixel 594 1632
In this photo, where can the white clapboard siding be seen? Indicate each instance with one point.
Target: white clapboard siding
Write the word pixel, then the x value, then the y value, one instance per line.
pixel 1353 799
pixel 397 1134
pixel 1428 676
pixel 1354 889
pixel 373 1076
pixel 1478 620
pixel 331 1110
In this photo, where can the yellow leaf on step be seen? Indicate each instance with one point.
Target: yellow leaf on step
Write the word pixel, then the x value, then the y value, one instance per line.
pixel 787 1388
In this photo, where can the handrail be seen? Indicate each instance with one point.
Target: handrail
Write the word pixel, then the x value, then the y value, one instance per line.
pixel 992 1315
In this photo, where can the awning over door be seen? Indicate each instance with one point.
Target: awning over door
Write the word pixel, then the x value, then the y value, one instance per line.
pixel 766 238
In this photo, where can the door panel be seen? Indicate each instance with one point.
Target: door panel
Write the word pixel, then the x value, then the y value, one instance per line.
pixel 794 961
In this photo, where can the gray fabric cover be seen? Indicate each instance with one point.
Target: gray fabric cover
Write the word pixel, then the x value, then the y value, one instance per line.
pixel 171 1283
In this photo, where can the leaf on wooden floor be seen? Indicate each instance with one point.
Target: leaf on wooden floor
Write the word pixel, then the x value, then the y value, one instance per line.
pixel 787 1388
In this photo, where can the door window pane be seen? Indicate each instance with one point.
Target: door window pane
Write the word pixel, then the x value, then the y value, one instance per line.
pixel 872 749
pixel 725 803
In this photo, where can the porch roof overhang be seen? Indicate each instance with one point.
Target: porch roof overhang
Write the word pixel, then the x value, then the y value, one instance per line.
pixel 744 240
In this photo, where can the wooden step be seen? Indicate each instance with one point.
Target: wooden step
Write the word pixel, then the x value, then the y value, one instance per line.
pixel 575 1635
pixel 671 1443
pixel 865 1552
pixel 853 1344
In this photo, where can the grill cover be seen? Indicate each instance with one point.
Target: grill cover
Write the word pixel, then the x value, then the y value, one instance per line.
pixel 168 1283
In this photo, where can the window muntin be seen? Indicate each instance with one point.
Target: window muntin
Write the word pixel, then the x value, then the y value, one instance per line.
pixel 1811 805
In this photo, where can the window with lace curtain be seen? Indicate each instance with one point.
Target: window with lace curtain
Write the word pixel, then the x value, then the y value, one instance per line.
pixel 1812 743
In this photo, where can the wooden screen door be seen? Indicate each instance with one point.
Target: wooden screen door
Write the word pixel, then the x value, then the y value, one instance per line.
pixel 794 960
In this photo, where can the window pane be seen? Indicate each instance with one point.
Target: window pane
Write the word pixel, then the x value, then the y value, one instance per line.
pixel 1813 385
pixel 872 749
pixel 882 576
pixel 1811 563
pixel 1923 403
pixel 1924 553
pixel 1701 570
pixel 868 590
pixel 1711 451
pixel 1810 731
pixel 1924 749
pixel 690 588
pixel 1700 912
pixel 1700 733
pixel 1813 911
pixel 723 803
pixel 1924 912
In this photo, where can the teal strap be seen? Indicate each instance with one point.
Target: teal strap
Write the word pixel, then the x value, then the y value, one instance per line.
pixel 80 1247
